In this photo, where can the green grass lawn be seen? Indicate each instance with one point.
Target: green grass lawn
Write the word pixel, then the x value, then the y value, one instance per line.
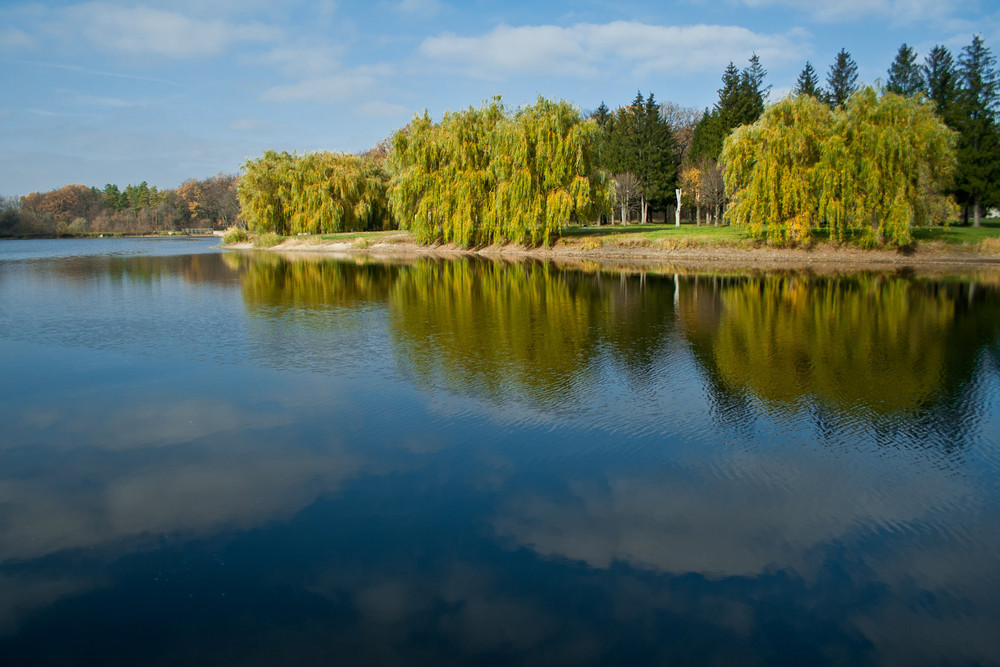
pixel 704 234
pixel 353 236
pixel 959 234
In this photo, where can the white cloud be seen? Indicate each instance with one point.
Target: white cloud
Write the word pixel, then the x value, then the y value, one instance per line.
pixel 143 30
pixel 584 49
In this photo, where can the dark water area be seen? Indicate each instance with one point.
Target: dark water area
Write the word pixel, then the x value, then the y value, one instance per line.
pixel 222 458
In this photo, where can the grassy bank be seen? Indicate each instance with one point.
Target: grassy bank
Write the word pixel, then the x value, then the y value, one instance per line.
pixel 662 238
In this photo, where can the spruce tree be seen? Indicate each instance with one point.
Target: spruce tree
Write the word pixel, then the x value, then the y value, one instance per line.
pixel 978 180
pixel 842 80
pixel 905 76
pixel 941 82
pixel 808 83
pixel 741 102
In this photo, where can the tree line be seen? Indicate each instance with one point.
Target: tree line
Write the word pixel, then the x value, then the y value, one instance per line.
pixel 134 209
pixel 857 161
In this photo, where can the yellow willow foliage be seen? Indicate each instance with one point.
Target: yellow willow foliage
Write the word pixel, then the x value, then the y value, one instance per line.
pixel 485 176
pixel 874 168
pixel 875 345
pixel 892 158
pixel 316 193
pixel 769 169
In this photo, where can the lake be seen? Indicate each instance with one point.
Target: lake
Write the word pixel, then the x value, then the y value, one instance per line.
pixel 211 457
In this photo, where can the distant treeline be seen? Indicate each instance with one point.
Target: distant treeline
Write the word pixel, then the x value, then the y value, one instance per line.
pixel 136 209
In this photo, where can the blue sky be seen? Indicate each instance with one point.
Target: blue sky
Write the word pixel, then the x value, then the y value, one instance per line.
pixel 123 92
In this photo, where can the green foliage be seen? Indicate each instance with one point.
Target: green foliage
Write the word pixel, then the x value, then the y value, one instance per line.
pixel 978 99
pixel 874 168
pixel 741 101
pixel 842 80
pixel 267 240
pixel 485 176
pixel 941 82
pixel 770 170
pixel 316 193
pixel 235 235
pixel 905 76
pixel 808 83
pixel 638 140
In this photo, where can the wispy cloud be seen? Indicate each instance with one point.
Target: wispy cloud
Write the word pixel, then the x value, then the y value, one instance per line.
pixel 245 124
pixel 382 109
pixel 92 72
pixel 340 87
pixel 13 39
pixel 302 61
pixel 143 30
pixel 584 49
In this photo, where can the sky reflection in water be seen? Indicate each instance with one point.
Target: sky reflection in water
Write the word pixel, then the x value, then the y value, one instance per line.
pixel 217 457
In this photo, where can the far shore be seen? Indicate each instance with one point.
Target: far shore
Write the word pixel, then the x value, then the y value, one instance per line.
pixel 932 257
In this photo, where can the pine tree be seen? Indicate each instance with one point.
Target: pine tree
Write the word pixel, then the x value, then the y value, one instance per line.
pixel 905 76
pixel 842 80
pixel 978 180
pixel 808 83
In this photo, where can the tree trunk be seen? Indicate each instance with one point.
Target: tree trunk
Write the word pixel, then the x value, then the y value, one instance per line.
pixel 697 213
pixel 677 214
pixel 976 215
pixel 645 208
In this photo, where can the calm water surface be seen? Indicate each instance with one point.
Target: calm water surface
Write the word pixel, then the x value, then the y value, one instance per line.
pixel 210 457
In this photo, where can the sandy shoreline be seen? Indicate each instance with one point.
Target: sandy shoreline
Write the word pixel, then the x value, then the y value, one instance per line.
pixel 936 258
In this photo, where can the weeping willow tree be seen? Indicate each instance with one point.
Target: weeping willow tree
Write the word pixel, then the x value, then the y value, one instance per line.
pixel 316 193
pixel 884 168
pixel 874 169
pixel 485 176
pixel 770 169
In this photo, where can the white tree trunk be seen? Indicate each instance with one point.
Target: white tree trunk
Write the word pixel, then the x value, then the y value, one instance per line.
pixel 677 215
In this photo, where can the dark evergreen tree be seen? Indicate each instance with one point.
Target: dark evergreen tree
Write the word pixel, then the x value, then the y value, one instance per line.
pixel 658 163
pixel 808 83
pixel 601 115
pixel 978 179
pixel 941 82
pixel 741 102
pixel 842 79
pixel 754 82
pixel 905 75
pixel 706 140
